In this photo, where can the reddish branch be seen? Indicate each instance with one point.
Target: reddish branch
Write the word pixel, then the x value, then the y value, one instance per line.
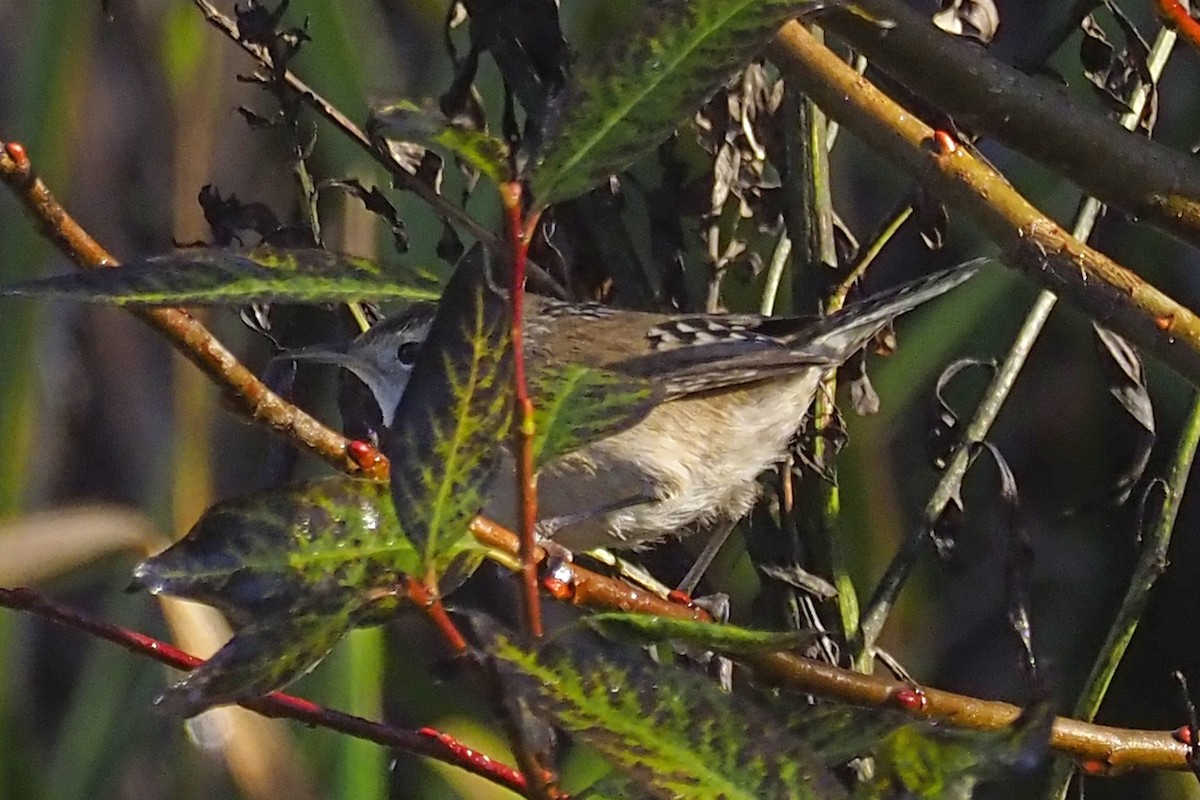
pixel 423 597
pixel 1179 20
pixel 519 236
pixel 422 742
pixel 241 387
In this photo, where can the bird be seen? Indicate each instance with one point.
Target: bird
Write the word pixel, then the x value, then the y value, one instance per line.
pixel 732 392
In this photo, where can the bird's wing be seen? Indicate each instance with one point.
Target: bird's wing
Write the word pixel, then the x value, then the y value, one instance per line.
pixel 703 354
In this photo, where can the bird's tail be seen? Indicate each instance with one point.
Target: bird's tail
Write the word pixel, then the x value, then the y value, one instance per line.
pixel 842 333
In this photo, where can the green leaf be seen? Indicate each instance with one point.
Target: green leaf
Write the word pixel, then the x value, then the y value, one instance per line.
pixel 405 121
pixel 297 567
pixel 334 540
pixel 612 787
pixel 621 108
pixel 705 635
pixel 924 761
pixel 670 731
pixel 454 417
pixel 219 276
pixel 263 656
pixel 576 405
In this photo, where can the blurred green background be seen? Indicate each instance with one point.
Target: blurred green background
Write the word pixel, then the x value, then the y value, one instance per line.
pixel 127 116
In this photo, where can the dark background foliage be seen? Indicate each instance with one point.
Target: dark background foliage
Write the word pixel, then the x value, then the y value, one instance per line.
pixel 128 117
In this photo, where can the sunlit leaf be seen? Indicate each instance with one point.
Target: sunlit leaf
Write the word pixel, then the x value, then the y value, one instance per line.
pixel 671 732
pixel 405 121
pixel 576 405
pixel 455 415
pixel 218 276
pixel 723 638
pixel 625 105
pixel 265 554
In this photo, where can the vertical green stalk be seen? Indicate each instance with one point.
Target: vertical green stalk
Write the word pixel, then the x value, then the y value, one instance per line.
pixel 360 771
pixel 87 753
pixel 810 223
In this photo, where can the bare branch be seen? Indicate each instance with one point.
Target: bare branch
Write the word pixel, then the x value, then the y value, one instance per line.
pixel 1152 182
pixel 240 386
pixel 1107 291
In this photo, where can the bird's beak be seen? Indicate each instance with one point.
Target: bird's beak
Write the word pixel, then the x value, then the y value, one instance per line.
pixel 338 356
pixel 386 395
pixel 318 354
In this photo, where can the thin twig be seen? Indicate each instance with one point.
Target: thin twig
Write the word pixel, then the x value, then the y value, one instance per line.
pixel 868 256
pixel 1177 17
pixel 424 596
pixel 403 178
pixel 423 742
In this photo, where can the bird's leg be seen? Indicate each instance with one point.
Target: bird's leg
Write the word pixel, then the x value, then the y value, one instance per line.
pixel 547 528
pixel 715 542
pixel 556 554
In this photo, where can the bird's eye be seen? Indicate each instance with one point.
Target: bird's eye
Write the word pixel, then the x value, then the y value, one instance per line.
pixel 406 353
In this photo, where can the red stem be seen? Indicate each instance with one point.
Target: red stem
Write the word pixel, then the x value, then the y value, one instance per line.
pixel 422 742
pixel 423 596
pixel 1178 18
pixel 519 232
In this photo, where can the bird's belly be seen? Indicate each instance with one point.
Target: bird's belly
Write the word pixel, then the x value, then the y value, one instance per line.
pixel 698 458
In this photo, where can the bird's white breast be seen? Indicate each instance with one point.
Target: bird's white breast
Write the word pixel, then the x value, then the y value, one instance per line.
pixel 698 457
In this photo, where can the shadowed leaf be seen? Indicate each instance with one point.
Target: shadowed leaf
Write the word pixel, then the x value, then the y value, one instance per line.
pixel 263 656
pixel 924 761
pixel 454 416
pixel 624 106
pixel 576 405
pixel 212 276
pixel 1122 364
pixel 297 567
pixel 405 121
pixel 526 41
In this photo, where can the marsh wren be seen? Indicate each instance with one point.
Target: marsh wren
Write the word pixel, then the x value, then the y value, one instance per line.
pixel 735 390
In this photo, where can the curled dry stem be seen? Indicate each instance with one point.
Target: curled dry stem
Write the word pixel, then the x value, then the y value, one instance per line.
pixel 401 175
